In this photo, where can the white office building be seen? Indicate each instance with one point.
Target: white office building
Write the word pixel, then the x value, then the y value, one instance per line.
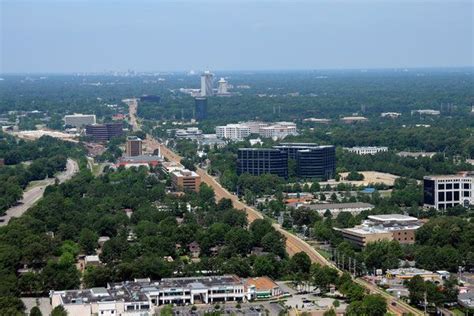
pixel 206 84
pixel 278 130
pixel 446 191
pixel 367 150
pixel 192 133
pixel 233 131
pixel 254 126
pixel 79 120
pixel 141 296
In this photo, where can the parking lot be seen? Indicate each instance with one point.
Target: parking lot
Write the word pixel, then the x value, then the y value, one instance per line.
pixel 252 309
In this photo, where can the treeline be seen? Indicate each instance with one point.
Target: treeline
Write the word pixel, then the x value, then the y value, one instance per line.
pixel 71 217
pixel 415 168
pixel 298 95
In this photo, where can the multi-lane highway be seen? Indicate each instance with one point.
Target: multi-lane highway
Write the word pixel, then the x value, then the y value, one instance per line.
pixel 32 195
pixel 293 243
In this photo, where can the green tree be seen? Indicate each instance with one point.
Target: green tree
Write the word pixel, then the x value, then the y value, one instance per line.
pixel 59 311
pixel 300 263
pixel 330 312
pixel 35 311
pixel 88 241
pixel 416 288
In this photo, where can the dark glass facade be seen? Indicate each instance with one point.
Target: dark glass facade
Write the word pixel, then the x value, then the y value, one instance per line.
pixel 200 108
pixel 316 163
pixel 262 160
pixel 429 192
pixel 312 161
pixel 104 132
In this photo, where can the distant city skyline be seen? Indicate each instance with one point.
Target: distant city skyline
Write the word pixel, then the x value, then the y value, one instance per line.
pixel 53 36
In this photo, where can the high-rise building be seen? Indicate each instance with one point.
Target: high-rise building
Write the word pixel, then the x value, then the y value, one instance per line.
pixel 312 161
pixel 104 132
pixel 206 84
pixel 442 192
pixel 134 146
pixel 222 87
pixel 200 105
pixel 79 120
pixel 257 161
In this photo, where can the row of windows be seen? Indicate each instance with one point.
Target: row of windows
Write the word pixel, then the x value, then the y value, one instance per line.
pixel 400 238
pixel 450 186
pixel 451 196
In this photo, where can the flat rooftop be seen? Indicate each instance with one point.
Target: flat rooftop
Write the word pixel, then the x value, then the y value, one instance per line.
pixel 141 158
pixel 338 206
pixel 137 290
pixel 450 176
pixel 204 281
pixel 184 173
pixel 392 218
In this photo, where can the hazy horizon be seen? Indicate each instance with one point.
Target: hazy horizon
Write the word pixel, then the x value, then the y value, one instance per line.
pixel 95 37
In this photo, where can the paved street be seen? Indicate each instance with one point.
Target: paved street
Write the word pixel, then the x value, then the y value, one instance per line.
pixel 32 195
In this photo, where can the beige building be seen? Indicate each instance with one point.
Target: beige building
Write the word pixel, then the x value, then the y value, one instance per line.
pixel 185 180
pixel 397 227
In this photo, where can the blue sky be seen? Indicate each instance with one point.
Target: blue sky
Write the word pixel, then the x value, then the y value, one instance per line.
pixel 94 36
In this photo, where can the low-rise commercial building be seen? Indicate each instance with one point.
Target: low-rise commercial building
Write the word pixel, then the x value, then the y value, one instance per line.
pixel 185 180
pixel 79 120
pixel 366 150
pixel 212 142
pixel 397 227
pixel 426 112
pixel 141 296
pixel 261 288
pixel 278 130
pixel 336 208
pixel 409 273
pixel 416 154
pixel 391 114
pixel 354 119
pixel 446 191
pixel 192 133
pixel 141 160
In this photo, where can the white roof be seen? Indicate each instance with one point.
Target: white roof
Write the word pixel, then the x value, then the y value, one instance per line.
pixel 392 217
pixel 93 258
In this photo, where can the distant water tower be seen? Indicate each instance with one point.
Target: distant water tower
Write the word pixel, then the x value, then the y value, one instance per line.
pixel 222 88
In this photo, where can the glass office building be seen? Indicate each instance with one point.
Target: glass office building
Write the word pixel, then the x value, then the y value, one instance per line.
pixel 257 161
pixel 200 108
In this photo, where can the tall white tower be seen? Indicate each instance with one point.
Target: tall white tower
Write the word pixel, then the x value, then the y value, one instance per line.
pixel 222 88
pixel 206 84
